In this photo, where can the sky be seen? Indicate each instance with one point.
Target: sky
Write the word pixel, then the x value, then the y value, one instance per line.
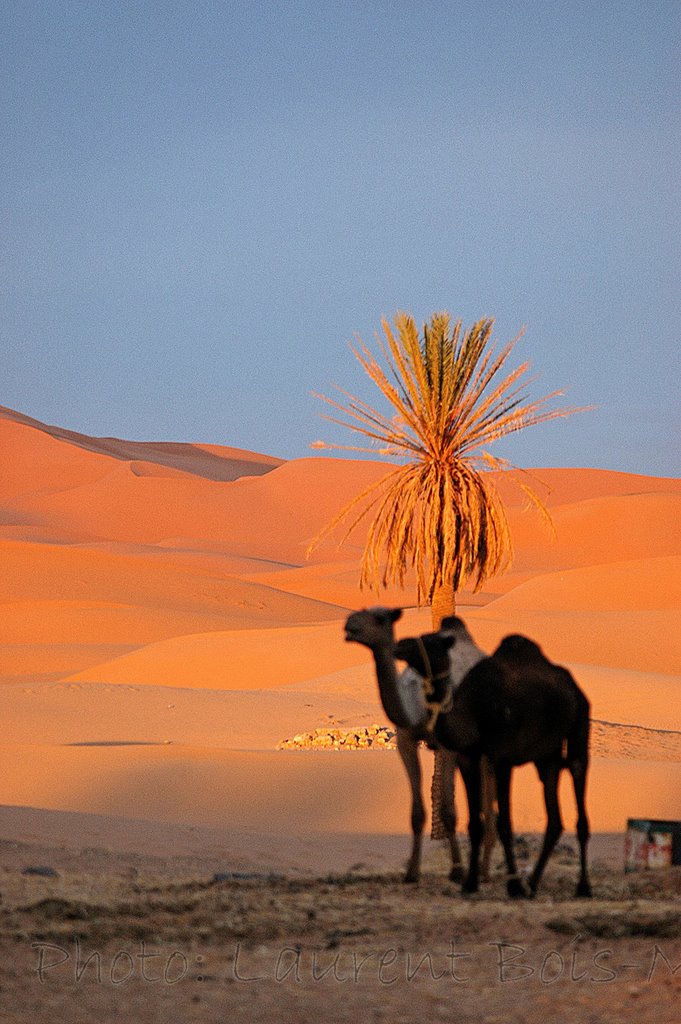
pixel 204 203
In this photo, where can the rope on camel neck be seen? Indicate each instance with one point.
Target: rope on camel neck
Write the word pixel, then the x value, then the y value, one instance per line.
pixel 435 707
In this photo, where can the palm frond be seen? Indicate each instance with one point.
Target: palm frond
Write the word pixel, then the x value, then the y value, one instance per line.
pixel 440 513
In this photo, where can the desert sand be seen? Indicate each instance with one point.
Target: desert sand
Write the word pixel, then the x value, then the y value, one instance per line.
pixel 163 630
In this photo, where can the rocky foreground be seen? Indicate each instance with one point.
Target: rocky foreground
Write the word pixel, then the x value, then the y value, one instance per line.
pixel 103 937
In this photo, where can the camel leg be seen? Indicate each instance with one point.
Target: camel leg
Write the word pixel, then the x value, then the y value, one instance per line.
pixel 578 761
pixel 470 773
pixel 579 773
pixel 514 884
pixel 408 750
pixel 489 796
pixel 549 773
pixel 448 811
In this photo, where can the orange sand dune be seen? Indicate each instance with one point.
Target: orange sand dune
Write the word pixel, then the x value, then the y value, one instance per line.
pixel 625 614
pixel 646 699
pixel 208 460
pixel 60 714
pixel 566 486
pixel 35 663
pixel 137 596
pixel 606 529
pixel 640 584
pixel 240 789
pixel 35 461
pixel 247 659
pixel 257 517
pixel 104 622
pixel 275 516
pixel 285 793
pixel 56 571
pixel 336 581
pixel 243 718
pixel 644 641
pixel 157 597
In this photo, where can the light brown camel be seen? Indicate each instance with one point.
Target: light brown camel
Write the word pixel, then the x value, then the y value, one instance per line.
pixel 513 707
pixel 405 704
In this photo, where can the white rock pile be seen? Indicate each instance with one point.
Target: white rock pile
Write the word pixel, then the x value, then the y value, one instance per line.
pixel 364 737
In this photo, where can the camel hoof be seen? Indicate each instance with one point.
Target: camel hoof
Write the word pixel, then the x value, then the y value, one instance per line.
pixel 411 878
pixel 516 890
pixel 456 874
pixel 469 887
pixel 583 890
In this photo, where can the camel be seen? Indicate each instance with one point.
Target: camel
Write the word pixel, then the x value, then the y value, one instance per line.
pixel 405 705
pixel 514 707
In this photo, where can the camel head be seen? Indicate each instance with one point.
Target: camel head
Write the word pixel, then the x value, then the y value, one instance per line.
pixel 372 627
pixel 427 654
pixel 464 652
pixel 455 627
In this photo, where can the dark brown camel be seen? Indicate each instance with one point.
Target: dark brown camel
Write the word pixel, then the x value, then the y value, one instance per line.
pixel 513 707
pixel 404 703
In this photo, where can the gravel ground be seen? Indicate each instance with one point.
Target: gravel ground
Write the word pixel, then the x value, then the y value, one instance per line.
pixel 107 937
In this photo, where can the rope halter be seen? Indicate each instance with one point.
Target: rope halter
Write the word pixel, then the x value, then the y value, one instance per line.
pixel 435 707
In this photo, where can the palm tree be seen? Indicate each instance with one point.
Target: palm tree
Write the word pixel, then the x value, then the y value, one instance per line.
pixel 438 513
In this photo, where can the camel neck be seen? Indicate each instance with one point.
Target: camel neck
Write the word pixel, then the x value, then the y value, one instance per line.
pixel 386 675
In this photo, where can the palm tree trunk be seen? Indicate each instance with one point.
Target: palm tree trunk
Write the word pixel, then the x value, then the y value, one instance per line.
pixel 443 604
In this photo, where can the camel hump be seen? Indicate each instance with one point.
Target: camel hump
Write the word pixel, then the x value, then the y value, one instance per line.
pixel 516 646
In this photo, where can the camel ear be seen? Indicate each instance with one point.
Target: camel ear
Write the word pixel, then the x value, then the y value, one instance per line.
pixel 395 614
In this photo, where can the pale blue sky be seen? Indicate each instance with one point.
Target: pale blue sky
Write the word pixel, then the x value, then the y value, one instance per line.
pixel 202 202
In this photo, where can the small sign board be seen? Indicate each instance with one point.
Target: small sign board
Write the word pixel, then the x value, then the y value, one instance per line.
pixel 651 843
